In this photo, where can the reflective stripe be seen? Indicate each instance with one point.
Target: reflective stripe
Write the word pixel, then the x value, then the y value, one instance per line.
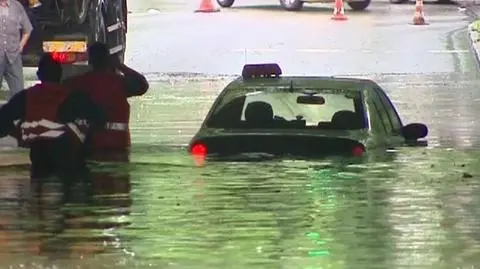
pixel 114 126
pixel 116 49
pixel 49 134
pixel 44 123
pixel 76 131
pixel 52 133
pixel 114 27
pixel 81 122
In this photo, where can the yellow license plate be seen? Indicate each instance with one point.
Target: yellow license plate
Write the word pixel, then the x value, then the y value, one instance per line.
pixel 64 46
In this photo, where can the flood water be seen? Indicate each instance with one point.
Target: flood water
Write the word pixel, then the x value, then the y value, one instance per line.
pixel 410 208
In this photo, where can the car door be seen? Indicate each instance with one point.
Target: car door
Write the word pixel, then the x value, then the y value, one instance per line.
pixel 390 117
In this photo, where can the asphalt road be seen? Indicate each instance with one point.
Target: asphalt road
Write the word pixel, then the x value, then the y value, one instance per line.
pixel 379 40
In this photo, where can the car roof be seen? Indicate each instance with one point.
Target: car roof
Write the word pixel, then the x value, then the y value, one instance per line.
pixel 332 82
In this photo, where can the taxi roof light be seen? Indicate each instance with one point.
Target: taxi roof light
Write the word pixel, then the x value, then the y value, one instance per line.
pixel 261 71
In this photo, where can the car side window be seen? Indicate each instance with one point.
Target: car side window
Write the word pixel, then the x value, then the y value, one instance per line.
pixel 376 122
pixel 228 116
pixel 382 117
pixel 393 117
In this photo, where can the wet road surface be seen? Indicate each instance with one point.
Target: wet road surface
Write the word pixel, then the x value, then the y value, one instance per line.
pixel 380 40
pixel 411 208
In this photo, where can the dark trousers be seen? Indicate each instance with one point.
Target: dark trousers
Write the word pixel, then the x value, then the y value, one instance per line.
pixel 59 160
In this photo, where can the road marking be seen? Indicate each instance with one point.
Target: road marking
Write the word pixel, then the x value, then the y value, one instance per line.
pixel 320 50
pixel 312 50
pixel 448 51
pixel 257 50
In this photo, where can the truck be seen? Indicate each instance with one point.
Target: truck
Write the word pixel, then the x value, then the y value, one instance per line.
pixel 66 28
pixel 295 5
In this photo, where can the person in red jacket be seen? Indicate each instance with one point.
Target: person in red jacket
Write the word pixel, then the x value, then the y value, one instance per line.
pixel 110 84
pixel 46 115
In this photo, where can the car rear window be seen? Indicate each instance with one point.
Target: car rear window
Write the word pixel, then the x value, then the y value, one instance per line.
pixel 281 109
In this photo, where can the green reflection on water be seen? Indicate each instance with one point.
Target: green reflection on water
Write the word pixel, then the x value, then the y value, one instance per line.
pixel 405 210
pixel 319 187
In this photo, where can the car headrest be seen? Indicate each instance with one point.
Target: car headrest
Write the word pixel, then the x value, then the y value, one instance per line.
pixel 346 119
pixel 258 111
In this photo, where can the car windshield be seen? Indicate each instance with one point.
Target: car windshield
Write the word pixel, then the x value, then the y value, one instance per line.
pixel 301 108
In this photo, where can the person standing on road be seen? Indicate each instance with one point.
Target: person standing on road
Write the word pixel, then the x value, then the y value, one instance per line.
pixel 110 84
pixel 15 30
pixel 47 113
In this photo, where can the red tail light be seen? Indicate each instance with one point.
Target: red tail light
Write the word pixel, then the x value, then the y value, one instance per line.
pixel 358 151
pixel 199 152
pixel 199 149
pixel 69 57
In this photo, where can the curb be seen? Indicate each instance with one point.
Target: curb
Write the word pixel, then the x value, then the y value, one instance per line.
pixel 474 37
pixel 472 11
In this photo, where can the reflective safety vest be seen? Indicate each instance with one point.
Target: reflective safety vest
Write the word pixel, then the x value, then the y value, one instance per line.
pixel 107 89
pixel 40 122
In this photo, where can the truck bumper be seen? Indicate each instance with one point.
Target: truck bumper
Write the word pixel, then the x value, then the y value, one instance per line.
pixel 34 48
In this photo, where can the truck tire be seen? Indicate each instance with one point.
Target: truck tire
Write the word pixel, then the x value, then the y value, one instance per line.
pixel 359 5
pixel 96 24
pixel 292 5
pixel 115 26
pixel 225 3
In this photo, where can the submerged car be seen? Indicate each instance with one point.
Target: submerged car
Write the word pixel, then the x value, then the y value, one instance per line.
pixel 265 112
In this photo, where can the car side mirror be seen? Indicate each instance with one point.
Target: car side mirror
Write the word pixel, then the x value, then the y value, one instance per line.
pixel 414 131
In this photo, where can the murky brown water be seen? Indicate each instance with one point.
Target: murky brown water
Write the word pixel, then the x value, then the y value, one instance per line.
pixel 413 208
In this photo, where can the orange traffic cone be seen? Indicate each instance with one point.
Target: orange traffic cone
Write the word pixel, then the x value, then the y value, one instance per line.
pixel 207 6
pixel 339 11
pixel 418 17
